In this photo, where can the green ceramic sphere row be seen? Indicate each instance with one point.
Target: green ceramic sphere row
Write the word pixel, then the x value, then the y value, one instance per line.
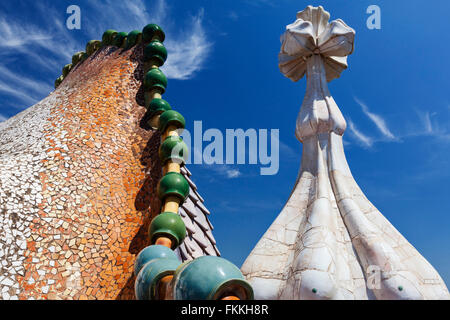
pixel 120 39
pixel 174 149
pixel 205 278
pixel 173 184
pixel 168 225
pixel 155 51
pixel 151 33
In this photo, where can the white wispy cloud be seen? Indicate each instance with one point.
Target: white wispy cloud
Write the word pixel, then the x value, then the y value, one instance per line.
pixel 379 122
pixel 36 42
pixel 224 170
pixel 233 173
pixel 188 52
pixel 15 35
pixel 41 49
pixel 18 93
pixel 430 126
pixel 47 47
pixel 3 118
pixel 26 89
pixel 25 82
pixel 366 141
pixel 187 43
pixel 122 15
pixel 426 121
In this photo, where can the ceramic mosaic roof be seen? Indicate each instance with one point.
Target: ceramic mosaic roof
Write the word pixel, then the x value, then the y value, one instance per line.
pixel 78 178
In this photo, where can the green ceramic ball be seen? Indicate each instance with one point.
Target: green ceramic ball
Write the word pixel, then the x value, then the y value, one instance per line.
pixel 133 38
pixel 66 70
pixel 155 79
pixel 153 32
pixel 58 81
pixel 158 106
pixel 173 148
pixel 173 184
pixel 150 274
pixel 108 37
pixel 210 278
pixel 152 252
pixel 169 225
pixel 77 57
pixel 119 39
pixel 155 50
pixel 93 46
pixel 171 118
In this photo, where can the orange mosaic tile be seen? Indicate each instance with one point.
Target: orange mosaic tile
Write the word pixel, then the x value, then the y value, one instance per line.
pixel 97 195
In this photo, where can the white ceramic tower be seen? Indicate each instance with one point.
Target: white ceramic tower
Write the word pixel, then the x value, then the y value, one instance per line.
pixel 329 241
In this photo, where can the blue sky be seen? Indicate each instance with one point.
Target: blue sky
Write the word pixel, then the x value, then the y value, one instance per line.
pixel 223 71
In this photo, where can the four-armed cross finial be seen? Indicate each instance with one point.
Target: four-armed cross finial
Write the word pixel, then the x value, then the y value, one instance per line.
pixel 312 34
pixel 318 48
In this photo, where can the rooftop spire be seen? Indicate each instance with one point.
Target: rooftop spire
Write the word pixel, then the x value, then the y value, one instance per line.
pixel 329 241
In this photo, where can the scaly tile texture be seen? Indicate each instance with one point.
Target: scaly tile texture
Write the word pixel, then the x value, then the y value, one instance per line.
pixel 199 240
pixel 78 177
